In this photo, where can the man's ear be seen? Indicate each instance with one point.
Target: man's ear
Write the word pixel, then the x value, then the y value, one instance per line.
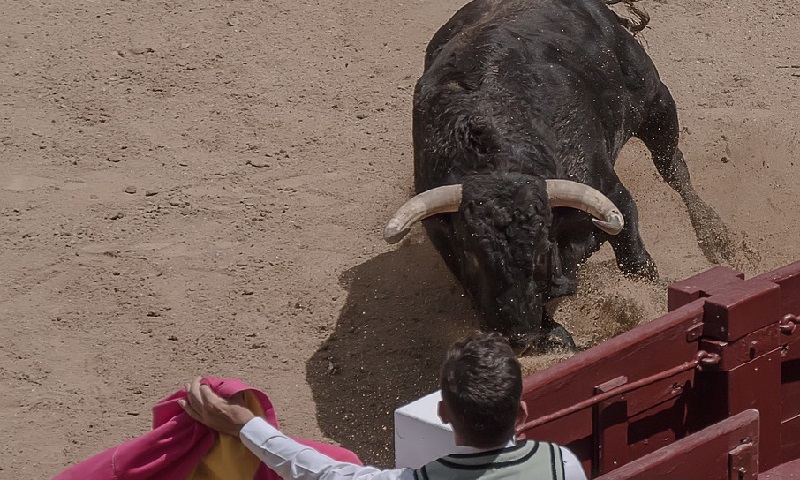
pixel 444 414
pixel 522 414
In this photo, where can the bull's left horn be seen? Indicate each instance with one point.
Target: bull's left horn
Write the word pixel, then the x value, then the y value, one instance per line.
pixel 445 199
pixel 566 193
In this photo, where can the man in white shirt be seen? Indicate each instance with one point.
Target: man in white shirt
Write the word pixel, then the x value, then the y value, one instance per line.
pixel 481 398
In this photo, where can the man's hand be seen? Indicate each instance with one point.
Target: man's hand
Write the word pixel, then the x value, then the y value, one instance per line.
pixel 220 414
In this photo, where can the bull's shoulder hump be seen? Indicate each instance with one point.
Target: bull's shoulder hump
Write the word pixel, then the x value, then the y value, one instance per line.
pixel 482 23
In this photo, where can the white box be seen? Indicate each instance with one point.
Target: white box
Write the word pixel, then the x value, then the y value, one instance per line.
pixel 419 434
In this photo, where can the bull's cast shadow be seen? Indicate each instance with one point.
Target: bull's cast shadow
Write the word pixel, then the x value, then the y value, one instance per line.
pixel 402 311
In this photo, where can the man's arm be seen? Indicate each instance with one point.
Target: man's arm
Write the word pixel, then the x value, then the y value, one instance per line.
pixel 289 459
pixel 573 470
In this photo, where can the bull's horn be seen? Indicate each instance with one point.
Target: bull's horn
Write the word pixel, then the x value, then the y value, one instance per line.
pixel 561 193
pixel 566 193
pixel 445 199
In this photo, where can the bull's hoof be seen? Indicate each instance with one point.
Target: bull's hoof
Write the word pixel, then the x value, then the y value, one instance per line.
pixel 713 236
pixel 645 269
pixel 557 339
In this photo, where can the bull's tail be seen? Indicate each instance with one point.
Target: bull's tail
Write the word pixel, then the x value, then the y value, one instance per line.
pixel 636 25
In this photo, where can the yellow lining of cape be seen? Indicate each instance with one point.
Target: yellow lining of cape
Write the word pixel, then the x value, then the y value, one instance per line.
pixel 229 459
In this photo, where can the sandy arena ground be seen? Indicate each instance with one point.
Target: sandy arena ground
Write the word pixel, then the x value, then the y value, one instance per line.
pixel 194 187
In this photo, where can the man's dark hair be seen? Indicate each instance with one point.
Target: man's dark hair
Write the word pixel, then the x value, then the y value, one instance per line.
pixel 481 388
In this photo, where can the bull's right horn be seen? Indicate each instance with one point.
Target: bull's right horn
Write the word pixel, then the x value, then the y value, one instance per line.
pixel 444 199
pixel 566 193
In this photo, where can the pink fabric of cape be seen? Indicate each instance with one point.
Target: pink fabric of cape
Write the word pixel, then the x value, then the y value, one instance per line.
pixel 177 443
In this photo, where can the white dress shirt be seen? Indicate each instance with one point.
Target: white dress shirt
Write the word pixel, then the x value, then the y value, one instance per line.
pixel 293 461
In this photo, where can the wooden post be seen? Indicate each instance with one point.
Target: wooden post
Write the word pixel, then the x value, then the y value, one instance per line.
pixel 610 421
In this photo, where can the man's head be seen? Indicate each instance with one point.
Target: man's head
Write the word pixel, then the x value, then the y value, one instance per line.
pixel 481 390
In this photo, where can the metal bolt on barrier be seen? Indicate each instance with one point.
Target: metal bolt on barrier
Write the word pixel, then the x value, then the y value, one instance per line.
pixel 707 359
pixel 788 323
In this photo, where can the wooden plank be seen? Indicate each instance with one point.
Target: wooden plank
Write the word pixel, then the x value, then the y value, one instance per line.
pixel 790 385
pixel 705 284
pixel 741 309
pixel 709 404
pixel 782 274
pixel 790 439
pixel 657 427
pixel 785 471
pixel 790 374
pixel 667 390
pixel 704 454
pixel 610 420
pixel 742 350
pixel 743 462
pixel 757 385
pixel 788 278
pixel 646 350
pixel 571 428
pixel 738 320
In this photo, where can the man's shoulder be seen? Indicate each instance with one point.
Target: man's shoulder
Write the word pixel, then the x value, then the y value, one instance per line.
pixel 545 459
pixel 510 456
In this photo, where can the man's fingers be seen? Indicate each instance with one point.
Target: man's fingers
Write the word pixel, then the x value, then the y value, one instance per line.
pixel 194 402
pixel 208 395
pixel 210 400
pixel 193 393
pixel 187 407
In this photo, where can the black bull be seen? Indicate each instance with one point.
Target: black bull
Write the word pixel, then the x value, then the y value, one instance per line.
pixel 516 94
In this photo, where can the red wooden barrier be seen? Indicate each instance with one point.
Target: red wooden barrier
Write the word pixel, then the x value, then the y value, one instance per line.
pixel 641 391
pixel 728 449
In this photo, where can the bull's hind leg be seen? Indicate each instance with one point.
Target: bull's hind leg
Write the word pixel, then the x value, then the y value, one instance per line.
pixel 660 134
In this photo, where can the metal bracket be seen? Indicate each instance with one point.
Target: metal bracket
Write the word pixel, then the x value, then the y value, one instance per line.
pixel 694 332
pixel 743 462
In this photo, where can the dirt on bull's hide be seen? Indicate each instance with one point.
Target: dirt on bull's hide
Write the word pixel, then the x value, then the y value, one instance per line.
pixel 200 188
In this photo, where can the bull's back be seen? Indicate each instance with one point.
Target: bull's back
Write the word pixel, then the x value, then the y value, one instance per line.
pixel 578 18
pixel 544 63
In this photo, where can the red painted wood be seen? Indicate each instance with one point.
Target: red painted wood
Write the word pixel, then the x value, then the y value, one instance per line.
pixel 790 439
pixel 788 278
pixel 647 432
pixel 664 391
pixel 610 422
pixel 759 368
pixel 786 471
pixel 703 284
pixel 757 385
pixel 790 378
pixel 611 436
pixel 662 342
pixel 701 455
pixel 571 429
pixel 790 399
pixel 743 462
pixel 744 349
pixel 741 309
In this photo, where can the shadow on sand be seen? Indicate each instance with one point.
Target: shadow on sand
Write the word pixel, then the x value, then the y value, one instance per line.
pixel 402 311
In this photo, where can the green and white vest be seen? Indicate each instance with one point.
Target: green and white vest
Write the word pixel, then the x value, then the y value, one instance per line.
pixel 527 460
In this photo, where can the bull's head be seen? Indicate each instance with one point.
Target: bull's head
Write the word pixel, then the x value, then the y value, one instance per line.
pixel 509 265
